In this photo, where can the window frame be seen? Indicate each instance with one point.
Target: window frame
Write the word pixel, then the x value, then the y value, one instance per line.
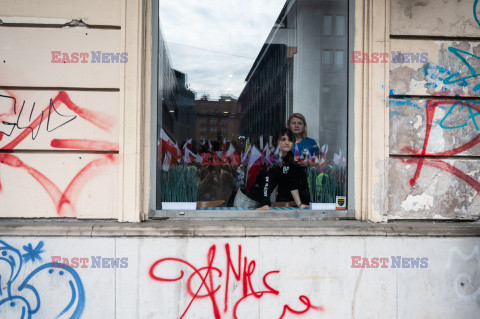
pixel 230 213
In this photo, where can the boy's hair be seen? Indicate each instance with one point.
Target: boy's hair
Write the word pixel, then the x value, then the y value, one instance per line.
pixel 302 118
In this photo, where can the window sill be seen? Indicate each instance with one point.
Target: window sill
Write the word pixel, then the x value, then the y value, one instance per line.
pixel 244 228
pixel 229 214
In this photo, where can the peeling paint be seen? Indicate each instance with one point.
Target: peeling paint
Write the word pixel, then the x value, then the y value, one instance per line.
pixel 417 202
pixel 418 123
pixel 436 141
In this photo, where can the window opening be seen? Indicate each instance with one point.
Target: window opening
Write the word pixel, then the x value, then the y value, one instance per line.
pixel 230 79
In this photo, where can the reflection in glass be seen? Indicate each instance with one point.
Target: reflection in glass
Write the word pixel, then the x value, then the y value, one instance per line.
pixel 326 57
pixel 228 81
pixel 327 25
pixel 340 25
pixel 339 60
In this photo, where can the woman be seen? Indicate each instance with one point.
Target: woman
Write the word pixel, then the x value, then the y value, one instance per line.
pixel 288 176
pixel 297 123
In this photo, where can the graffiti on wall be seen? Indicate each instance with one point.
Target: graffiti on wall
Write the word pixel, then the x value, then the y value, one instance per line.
pixel 208 282
pixel 456 78
pixel 44 291
pixel 17 124
pixel 473 107
pixel 475 5
pixel 436 162
pixel 434 131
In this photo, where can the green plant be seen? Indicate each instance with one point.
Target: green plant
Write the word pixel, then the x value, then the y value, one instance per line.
pixel 326 184
pixel 179 183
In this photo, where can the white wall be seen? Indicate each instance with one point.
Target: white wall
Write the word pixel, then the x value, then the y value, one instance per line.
pixel 283 268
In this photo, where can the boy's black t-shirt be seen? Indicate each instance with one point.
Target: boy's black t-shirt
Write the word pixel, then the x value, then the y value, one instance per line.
pixel 288 176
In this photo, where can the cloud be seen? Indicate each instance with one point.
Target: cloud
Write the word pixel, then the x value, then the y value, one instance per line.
pixel 209 40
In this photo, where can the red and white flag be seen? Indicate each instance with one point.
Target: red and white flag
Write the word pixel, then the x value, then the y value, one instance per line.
pixel 168 146
pixel 338 158
pixel 190 157
pixel 246 155
pixel 266 156
pixel 223 147
pixel 166 161
pixel 233 155
pixel 187 145
pixel 253 166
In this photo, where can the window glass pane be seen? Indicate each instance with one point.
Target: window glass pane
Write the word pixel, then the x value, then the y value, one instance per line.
pixel 340 25
pixel 327 25
pixel 232 74
pixel 326 57
pixel 338 61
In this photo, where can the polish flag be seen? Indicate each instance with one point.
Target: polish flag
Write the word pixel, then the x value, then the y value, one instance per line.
pixel 253 166
pixel 223 147
pixel 246 155
pixel 166 161
pixel 338 158
pixel 187 145
pixel 233 155
pixel 170 147
pixel 190 157
pixel 324 150
pixel 322 156
pixel 178 156
pixel 275 156
pixel 277 151
pixel 266 156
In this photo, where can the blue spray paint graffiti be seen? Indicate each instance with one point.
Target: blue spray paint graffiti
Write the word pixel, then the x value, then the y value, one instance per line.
pixel 471 117
pixel 475 4
pixel 462 81
pixel 24 300
pixel 453 78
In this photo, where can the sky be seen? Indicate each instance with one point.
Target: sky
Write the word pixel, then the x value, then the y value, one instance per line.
pixel 215 42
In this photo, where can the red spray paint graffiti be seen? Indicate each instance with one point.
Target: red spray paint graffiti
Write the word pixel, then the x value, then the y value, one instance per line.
pixel 63 201
pixel 209 288
pixel 434 160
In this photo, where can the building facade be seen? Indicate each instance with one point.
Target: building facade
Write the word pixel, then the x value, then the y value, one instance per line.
pixel 217 119
pixel 83 148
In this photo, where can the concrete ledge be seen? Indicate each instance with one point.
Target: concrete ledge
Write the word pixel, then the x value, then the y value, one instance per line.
pixel 212 228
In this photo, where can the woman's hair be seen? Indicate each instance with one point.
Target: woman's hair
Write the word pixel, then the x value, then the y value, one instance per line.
pixel 288 158
pixel 302 118
pixel 285 131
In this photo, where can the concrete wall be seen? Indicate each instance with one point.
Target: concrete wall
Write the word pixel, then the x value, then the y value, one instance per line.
pixel 434 110
pixel 162 277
